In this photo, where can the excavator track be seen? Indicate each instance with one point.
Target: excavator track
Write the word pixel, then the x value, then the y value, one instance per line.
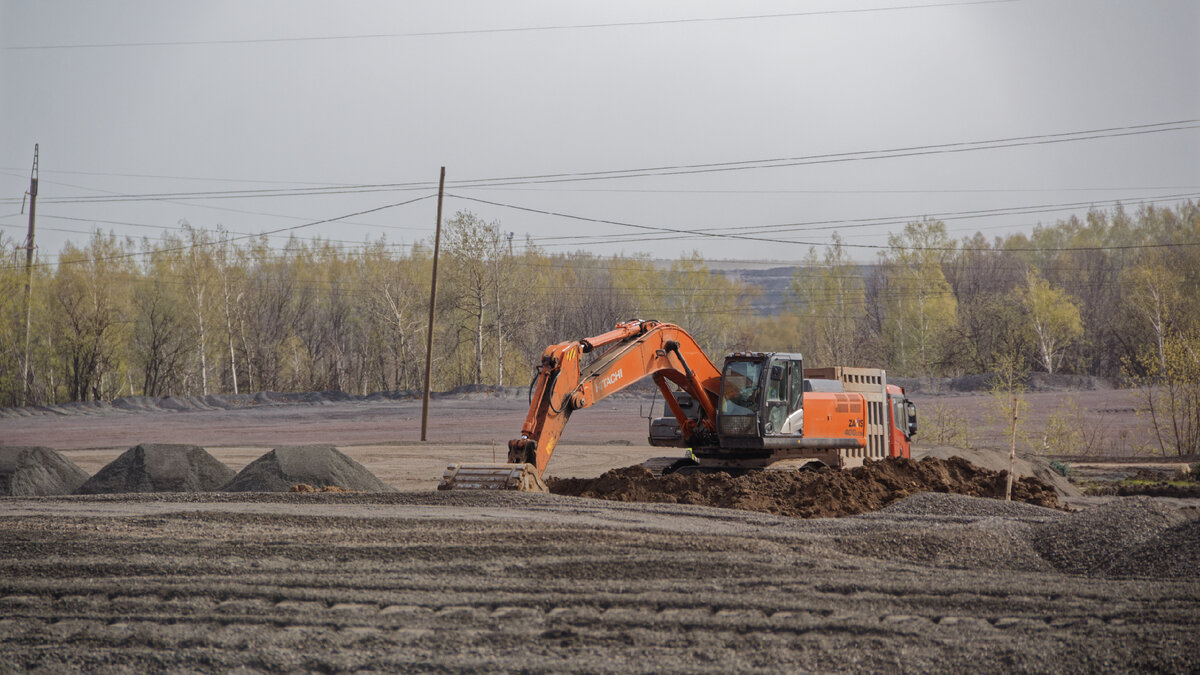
pixel 658 465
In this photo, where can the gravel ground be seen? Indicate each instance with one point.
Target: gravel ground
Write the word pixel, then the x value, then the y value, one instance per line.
pixel 455 582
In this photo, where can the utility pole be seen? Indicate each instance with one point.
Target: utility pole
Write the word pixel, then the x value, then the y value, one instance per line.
pixel 33 189
pixel 437 244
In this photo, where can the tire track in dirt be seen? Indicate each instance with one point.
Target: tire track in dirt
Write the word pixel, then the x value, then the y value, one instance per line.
pixel 463 590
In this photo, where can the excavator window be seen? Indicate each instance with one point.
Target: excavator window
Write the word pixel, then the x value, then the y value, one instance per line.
pixel 785 396
pixel 797 388
pixel 740 388
pixel 776 389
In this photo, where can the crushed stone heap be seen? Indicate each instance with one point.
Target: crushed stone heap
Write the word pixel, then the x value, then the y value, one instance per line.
pixel 160 468
pixel 822 493
pixel 36 471
pixel 318 466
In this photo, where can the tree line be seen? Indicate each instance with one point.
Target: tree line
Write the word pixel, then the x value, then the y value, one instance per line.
pixel 196 312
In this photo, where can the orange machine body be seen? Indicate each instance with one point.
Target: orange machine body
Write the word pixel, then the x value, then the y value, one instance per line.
pixel 754 412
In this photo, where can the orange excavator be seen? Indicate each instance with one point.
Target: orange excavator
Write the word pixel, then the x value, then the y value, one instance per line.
pixel 762 410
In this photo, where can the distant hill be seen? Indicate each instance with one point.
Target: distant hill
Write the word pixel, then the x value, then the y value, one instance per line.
pixel 775 283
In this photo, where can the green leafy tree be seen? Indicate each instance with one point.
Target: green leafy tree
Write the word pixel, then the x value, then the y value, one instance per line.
pixel 473 255
pixel 91 302
pixel 1171 392
pixel 1154 294
pixel 983 276
pixel 830 297
pixel 707 304
pixel 1007 389
pixel 163 334
pixel 396 300
pixel 1053 318
pixel 920 309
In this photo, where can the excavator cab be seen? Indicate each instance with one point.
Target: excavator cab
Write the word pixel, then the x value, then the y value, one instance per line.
pixel 762 394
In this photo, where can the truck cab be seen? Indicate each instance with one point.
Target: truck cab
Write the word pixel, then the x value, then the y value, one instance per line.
pixel 902 422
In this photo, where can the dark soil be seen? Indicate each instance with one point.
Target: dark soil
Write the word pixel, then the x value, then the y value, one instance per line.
pixel 1160 489
pixel 159 468
pixel 318 466
pixel 37 471
pixel 449 582
pixel 809 494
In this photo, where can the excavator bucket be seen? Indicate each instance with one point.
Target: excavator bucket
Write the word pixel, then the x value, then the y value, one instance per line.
pixel 521 477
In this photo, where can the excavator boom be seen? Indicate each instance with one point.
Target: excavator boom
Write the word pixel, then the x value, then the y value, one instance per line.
pixel 635 350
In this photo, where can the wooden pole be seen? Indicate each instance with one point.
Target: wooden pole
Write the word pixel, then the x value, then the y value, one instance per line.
pixel 1012 453
pixel 437 244
pixel 33 189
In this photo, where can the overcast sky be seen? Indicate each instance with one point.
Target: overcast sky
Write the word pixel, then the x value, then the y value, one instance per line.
pixel 148 98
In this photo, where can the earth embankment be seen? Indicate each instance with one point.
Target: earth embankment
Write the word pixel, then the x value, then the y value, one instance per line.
pixel 820 493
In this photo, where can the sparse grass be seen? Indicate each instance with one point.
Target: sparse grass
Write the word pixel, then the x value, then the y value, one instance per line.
pixel 943 426
pixel 1062 468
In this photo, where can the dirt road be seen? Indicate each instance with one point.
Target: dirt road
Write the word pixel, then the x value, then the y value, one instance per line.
pixel 542 583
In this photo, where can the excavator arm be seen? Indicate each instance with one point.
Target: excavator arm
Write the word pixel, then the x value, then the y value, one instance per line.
pixel 632 352
pixel 636 350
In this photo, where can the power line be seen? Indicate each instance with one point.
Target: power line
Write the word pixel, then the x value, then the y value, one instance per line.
pixel 236 194
pixel 703 233
pixel 849 223
pixel 169 228
pixel 485 31
pixel 878 191
pixel 316 239
pixel 12 171
pixel 192 178
pixel 214 208
pixel 668 170
pixel 828 158
pixel 238 238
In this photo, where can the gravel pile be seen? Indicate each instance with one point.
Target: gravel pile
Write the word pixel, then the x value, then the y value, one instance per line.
pixel 36 471
pixel 989 544
pixel 319 466
pixel 1131 537
pixel 1173 553
pixel 160 468
pixel 962 506
pixel 1103 540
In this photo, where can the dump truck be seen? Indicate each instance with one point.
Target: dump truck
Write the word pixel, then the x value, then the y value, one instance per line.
pixel 759 411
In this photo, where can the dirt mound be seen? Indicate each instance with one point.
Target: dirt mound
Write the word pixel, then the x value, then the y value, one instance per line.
pixel 997 460
pixel 37 471
pixel 808 494
pixel 164 467
pixel 318 466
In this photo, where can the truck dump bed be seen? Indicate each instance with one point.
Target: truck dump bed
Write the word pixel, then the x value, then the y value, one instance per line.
pixel 872 384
